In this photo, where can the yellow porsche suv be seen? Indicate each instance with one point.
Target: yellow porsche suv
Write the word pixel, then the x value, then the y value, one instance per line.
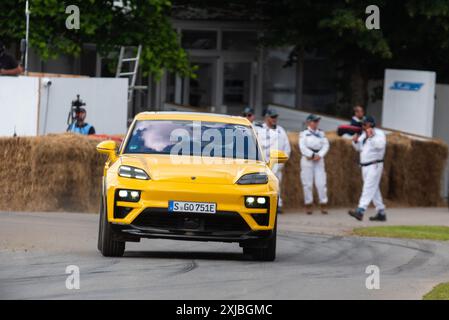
pixel 189 176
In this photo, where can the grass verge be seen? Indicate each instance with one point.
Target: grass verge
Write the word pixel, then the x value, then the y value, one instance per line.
pixel 440 233
pixel 439 292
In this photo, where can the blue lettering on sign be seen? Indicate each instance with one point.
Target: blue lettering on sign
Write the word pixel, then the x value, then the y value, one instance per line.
pixel 407 86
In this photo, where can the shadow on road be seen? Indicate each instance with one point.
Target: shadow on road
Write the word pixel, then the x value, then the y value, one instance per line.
pixel 187 255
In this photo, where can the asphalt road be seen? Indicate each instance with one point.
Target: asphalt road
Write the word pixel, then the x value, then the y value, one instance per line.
pixel 35 250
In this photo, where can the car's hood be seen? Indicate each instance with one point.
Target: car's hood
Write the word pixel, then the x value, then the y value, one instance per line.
pixel 193 169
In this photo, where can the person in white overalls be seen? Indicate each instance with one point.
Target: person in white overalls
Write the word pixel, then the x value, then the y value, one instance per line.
pixel 314 146
pixel 271 136
pixel 371 144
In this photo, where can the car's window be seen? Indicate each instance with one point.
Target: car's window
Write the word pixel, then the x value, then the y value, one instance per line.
pixel 179 137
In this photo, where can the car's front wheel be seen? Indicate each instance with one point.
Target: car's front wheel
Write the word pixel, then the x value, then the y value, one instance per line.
pixel 267 250
pixel 108 246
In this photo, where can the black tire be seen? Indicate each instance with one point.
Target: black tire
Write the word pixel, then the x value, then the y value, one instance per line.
pixel 267 253
pixel 267 249
pixel 106 243
pixel 248 251
pixel 100 229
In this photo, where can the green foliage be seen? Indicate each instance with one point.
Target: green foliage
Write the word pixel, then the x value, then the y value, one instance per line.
pixel 413 34
pixel 103 23
pixel 440 233
pixel 439 292
pixel 335 28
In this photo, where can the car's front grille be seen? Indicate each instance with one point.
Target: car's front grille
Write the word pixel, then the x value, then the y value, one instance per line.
pixel 220 221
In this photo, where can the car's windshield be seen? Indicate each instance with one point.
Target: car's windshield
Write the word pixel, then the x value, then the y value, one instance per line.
pixel 194 138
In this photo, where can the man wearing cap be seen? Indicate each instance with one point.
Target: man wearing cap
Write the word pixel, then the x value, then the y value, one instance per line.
pixel 80 126
pixel 8 65
pixel 371 145
pixel 248 113
pixel 314 146
pixel 271 136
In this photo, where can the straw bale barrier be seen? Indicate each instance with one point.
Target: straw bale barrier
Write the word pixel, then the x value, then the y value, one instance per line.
pixel 50 173
pixel 63 173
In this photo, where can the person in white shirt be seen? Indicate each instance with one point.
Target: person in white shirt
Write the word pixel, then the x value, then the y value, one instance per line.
pixel 313 146
pixel 271 136
pixel 371 145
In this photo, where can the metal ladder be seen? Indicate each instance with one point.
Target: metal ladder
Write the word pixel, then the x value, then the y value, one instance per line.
pixel 132 74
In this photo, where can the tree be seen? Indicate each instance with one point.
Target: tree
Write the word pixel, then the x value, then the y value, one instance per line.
pixel 413 34
pixel 107 23
pixel 334 29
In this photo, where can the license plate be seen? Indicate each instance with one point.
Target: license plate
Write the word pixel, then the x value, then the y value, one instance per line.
pixel 195 207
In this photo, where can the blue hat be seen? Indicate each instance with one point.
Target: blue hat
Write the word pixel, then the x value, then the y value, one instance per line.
pixel 370 119
pixel 313 118
pixel 271 113
pixel 247 111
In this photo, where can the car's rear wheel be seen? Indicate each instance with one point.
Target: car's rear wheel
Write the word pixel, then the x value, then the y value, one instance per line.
pixel 108 246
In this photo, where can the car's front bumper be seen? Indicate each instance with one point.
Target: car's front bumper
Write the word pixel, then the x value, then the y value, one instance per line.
pixel 149 217
pixel 221 226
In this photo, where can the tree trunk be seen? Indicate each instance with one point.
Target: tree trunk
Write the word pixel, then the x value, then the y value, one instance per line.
pixel 358 86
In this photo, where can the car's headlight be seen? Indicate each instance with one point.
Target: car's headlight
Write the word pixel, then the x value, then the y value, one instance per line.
pixel 132 172
pixel 127 195
pixel 253 178
pixel 256 202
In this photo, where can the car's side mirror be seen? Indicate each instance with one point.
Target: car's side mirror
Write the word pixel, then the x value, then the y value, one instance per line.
pixel 277 156
pixel 108 147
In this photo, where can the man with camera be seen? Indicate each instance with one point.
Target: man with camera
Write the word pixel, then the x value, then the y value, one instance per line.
pixel 8 65
pixel 77 117
pixel 79 125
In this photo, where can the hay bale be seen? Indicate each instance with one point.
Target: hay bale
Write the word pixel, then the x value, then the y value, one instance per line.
pixel 15 178
pixel 343 172
pixel 50 173
pixel 291 184
pixel 400 148
pixel 63 161
pixel 416 170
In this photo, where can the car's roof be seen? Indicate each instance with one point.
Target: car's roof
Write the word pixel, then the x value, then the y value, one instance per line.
pixel 194 116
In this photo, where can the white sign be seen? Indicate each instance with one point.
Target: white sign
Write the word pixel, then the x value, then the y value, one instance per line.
pixel 409 100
